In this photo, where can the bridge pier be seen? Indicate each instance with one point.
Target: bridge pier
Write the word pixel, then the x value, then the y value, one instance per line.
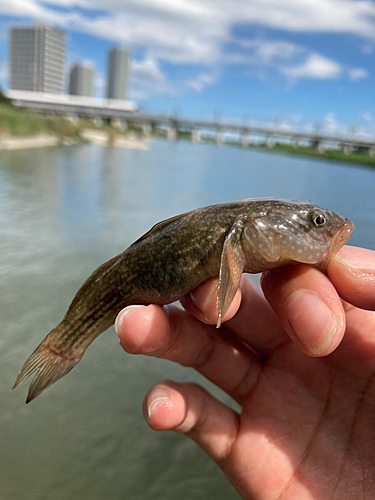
pixel 317 144
pixel 371 152
pixel 270 142
pixel 73 118
pixel 171 133
pixel 122 125
pixel 98 121
pixel 346 150
pixel 195 136
pixel 219 138
pixel 146 129
pixel 295 143
pixel 245 141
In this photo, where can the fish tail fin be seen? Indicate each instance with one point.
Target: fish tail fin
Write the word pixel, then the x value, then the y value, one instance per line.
pixel 49 365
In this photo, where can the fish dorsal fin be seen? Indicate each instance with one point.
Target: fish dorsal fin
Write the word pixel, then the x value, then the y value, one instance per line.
pixel 160 226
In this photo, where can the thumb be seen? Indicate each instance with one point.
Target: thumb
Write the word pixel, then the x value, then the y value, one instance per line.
pixel 352 272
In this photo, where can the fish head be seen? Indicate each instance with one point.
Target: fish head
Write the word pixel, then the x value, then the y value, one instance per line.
pixel 298 232
pixel 308 234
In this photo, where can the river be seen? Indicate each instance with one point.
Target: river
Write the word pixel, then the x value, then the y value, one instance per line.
pixel 63 212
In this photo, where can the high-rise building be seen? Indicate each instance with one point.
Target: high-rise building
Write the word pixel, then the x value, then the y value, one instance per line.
pixel 118 73
pixel 81 81
pixel 37 56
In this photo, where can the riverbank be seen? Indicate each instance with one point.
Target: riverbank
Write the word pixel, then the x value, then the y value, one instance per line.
pixel 25 129
pixel 104 138
pixel 359 157
pixel 10 143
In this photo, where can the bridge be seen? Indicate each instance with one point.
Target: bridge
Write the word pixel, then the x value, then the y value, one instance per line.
pixel 124 112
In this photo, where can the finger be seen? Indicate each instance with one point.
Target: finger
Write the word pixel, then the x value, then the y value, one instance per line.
pixel 202 304
pixel 250 317
pixel 352 271
pixel 308 306
pixel 188 409
pixel 173 334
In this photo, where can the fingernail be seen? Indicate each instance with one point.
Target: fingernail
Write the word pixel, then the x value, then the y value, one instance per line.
pixel 158 396
pixel 121 315
pixel 311 320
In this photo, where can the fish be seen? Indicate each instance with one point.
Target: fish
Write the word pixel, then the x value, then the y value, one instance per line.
pixel 175 256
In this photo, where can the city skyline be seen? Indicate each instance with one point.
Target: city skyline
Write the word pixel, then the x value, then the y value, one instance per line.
pixel 37 63
pixel 303 62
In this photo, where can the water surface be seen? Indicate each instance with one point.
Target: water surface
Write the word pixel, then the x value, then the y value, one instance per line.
pixel 63 212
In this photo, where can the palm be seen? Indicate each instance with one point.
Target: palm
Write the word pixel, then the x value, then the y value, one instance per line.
pixel 308 421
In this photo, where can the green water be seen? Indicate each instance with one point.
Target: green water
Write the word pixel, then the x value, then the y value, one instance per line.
pixel 63 212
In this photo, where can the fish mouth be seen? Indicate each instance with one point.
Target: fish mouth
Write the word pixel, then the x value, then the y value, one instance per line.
pixel 338 241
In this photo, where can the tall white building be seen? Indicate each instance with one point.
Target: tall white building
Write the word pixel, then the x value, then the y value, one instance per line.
pixel 37 57
pixel 81 81
pixel 118 74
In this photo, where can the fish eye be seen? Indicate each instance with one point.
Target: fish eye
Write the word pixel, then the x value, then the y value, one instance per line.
pixel 318 219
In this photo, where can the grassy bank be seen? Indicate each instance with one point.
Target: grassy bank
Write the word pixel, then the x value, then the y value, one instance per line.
pixel 25 123
pixel 17 122
pixel 359 157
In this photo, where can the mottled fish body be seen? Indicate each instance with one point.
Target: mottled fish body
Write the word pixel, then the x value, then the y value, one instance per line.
pixel 176 256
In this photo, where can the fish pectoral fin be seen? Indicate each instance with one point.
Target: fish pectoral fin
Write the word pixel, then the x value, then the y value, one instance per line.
pixel 231 267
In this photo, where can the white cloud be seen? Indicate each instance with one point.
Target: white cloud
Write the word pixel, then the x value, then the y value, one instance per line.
pixel 330 123
pixel 202 81
pixel 331 16
pixel 367 117
pixel 194 31
pixel 147 79
pixel 315 67
pixel 147 70
pixel 198 32
pixel 357 74
pixel 261 50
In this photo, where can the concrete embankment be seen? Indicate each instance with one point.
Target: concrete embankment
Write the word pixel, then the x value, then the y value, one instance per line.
pixel 9 142
pixel 102 138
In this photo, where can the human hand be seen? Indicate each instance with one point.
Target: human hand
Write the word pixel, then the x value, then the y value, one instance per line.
pixel 307 426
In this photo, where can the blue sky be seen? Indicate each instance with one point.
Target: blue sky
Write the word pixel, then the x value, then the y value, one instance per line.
pixel 294 61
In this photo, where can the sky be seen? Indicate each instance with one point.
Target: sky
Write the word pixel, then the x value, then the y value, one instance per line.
pixel 300 62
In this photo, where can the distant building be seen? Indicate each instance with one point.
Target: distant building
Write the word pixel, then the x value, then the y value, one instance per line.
pixel 37 57
pixel 118 73
pixel 81 81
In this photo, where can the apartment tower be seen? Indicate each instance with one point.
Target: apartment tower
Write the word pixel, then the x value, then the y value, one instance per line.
pixel 118 74
pixel 81 81
pixel 37 57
